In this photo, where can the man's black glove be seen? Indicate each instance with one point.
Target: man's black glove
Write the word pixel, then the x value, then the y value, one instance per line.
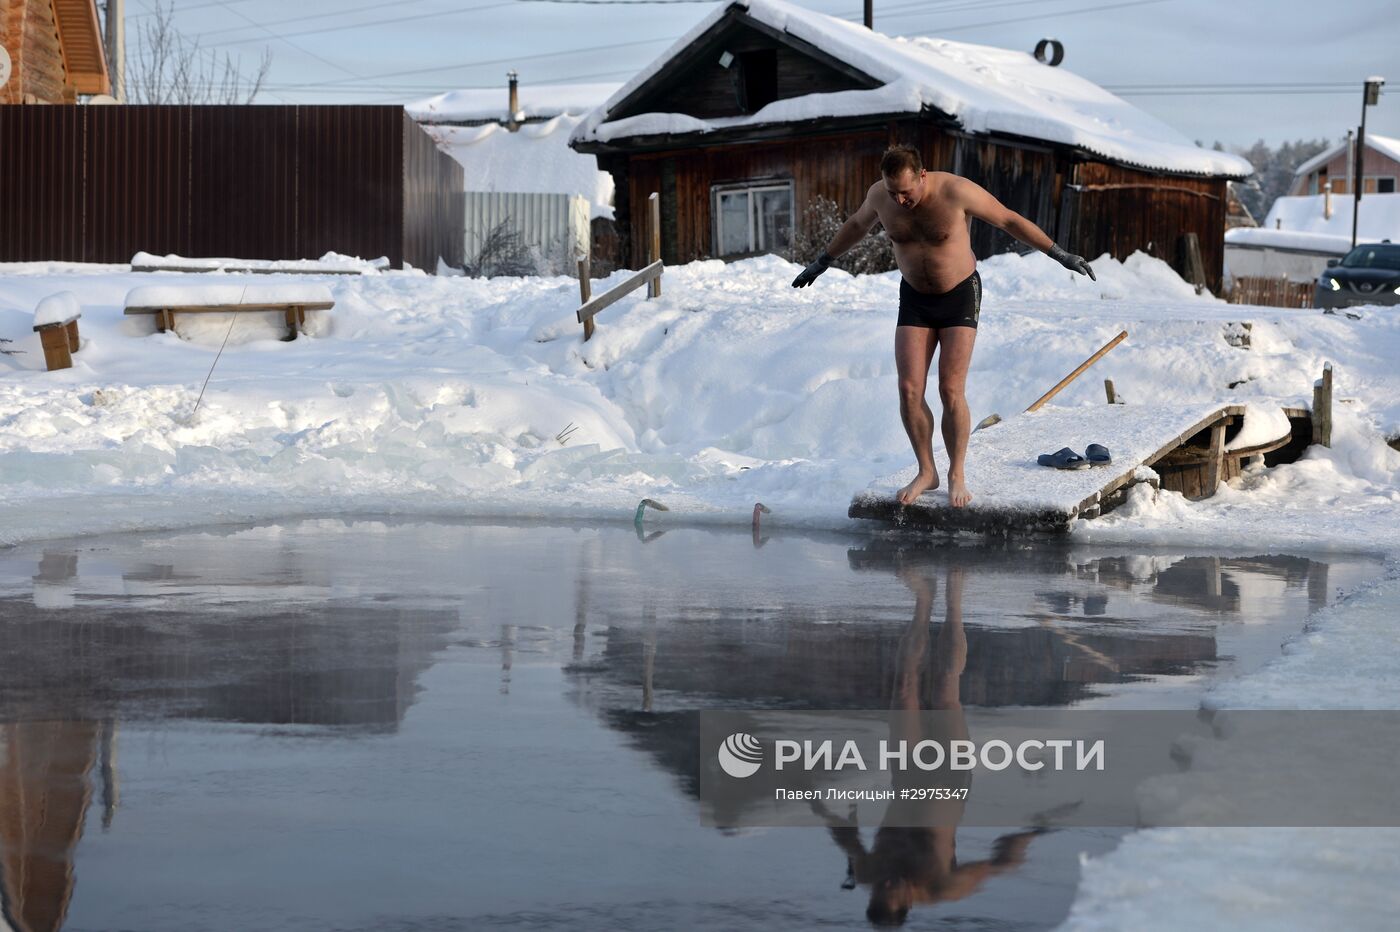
pixel 1072 262
pixel 810 273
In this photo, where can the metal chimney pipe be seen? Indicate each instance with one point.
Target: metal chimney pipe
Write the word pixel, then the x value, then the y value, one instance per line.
pixel 511 123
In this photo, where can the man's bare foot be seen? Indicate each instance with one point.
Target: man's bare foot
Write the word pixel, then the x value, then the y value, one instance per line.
pixel 958 495
pixel 922 483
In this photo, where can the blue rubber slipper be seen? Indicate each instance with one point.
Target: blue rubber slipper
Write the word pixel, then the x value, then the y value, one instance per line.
pixel 1097 454
pixel 1064 458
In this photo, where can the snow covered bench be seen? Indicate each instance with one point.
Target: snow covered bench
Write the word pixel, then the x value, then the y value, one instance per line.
pixel 329 264
pixel 56 322
pixel 163 302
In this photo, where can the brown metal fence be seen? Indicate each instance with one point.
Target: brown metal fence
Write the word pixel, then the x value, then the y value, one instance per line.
pixel 98 184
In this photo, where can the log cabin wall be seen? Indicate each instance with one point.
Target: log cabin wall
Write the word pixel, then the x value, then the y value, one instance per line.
pixel 30 34
pixel 840 167
pixel 1088 207
pixel 1121 210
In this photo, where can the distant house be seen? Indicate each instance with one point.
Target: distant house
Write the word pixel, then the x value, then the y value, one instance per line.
pixel 54 52
pixel 1380 169
pixel 764 106
pixel 513 146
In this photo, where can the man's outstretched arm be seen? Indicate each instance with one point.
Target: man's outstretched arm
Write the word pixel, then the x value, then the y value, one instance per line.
pixel 975 199
pixel 852 231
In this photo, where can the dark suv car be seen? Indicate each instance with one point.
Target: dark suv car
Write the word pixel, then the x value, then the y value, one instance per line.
pixel 1369 274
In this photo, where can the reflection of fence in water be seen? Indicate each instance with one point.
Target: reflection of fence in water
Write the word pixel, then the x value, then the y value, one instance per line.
pixel 330 666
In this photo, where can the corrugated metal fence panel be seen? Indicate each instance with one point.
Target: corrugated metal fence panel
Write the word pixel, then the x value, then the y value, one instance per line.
pixel 350 181
pixel 547 223
pixel 434 211
pixel 261 210
pixel 136 182
pixel 98 184
pixel 41 173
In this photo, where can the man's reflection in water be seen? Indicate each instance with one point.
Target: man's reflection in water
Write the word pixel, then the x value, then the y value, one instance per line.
pixel 910 865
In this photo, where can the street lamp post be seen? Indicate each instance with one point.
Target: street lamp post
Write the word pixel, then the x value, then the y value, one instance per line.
pixel 1370 99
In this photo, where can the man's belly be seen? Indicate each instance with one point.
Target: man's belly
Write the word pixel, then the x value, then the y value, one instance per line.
pixel 934 271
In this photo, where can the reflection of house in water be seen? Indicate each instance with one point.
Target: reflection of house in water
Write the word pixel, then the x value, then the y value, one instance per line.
pixel 1068 638
pixel 67 675
pixel 45 788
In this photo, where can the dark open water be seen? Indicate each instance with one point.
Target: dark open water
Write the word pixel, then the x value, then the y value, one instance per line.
pixel 376 725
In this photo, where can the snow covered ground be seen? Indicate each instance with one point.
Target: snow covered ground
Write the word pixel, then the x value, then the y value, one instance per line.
pixel 446 396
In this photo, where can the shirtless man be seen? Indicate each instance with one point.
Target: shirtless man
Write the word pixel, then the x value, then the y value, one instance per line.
pixel 927 216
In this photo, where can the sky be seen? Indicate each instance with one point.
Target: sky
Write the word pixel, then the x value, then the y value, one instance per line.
pixel 1228 70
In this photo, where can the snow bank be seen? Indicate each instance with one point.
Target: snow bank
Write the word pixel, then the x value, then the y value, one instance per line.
pixel 57 308
pixel 202 294
pixel 1249 879
pixel 446 396
pixel 986 89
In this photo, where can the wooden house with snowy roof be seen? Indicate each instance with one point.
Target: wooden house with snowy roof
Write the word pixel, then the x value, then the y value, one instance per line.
pixel 764 106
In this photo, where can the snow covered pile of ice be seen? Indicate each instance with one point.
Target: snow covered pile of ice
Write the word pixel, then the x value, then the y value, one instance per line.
pixel 453 396
pixel 986 89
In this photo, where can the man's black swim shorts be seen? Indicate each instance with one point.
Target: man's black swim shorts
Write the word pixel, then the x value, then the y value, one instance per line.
pixel 958 307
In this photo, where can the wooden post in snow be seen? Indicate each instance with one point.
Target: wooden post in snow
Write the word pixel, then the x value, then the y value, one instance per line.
pixel 1108 390
pixel 585 291
pixel 1322 408
pixel 654 252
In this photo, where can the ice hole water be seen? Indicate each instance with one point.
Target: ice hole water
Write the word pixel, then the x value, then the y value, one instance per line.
pixel 379 724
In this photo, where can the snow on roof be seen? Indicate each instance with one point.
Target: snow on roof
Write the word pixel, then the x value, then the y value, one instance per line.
pixel 534 159
pixel 986 89
pixel 1291 240
pixel 1380 217
pixel 492 103
pixel 1382 144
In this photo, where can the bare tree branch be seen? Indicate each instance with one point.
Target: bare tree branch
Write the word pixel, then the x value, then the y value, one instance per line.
pixel 172 68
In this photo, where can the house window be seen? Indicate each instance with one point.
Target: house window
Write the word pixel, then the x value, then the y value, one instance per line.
pixel 1385 185
pixel 752 218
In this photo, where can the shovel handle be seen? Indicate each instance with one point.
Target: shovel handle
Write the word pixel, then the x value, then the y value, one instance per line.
pixel 1039 402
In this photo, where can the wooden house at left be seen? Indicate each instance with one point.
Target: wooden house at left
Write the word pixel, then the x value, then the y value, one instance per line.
pixel 52 51
pixel 84 183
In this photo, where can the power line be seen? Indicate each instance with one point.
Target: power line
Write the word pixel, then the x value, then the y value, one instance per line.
pixel 1023 19
pixel 182 9
pixel 373 22
pixel 227 5
pixel 496 61
pixel 300 19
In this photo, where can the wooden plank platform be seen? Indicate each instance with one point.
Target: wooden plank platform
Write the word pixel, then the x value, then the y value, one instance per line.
pixel 1013 494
